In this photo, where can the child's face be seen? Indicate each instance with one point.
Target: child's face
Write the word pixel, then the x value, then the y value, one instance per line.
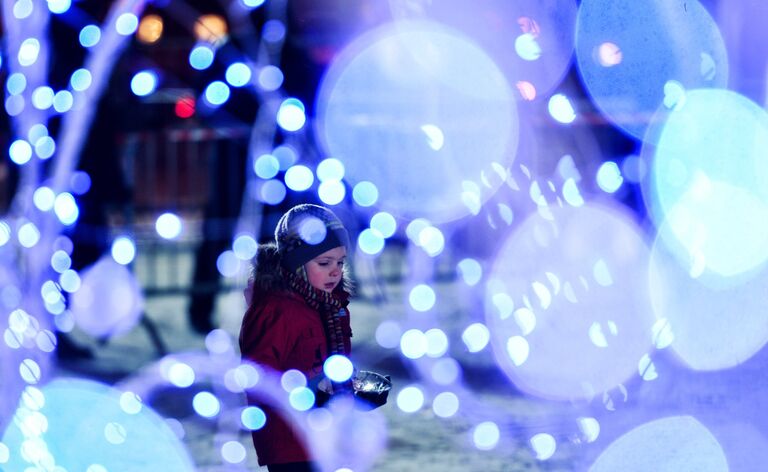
pixel 324 271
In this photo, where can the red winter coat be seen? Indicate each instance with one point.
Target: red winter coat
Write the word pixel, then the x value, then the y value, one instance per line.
pixel 281 332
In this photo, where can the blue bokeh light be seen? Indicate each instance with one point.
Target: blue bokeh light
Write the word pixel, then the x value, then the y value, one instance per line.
pixel 330 169
pixel 365 193
pixel 80 80
pixel 201 57
pixel 627 51
pixel 301 398
pixel 419 164
pixel 270 78
pixel 331 192
pixel 20 152
pixel 90 36
pixel 66 208
pixel 299 178
pixel 238 74
pixel 471 271
pixel 60 261
pixel 80 182
pixel 42 97
pixel 63 101
pixel 126 24
pixel 216 93
pixel 22 8
pixel 266 166
pixel 253 418
pixel 168 225
pixel 206 404
pixel 486 435
pixel 272 192
pixel 228 263
pixel 561 109
pixel 123 250
pixel 384 223
pixel 14 105
pixel 290 115
pixel 370 241
pixel 273 31
pixel 29 51
pixel 609 177
pixel 410 399
pixel 338 368
pixel 59 6
pixel 16 83
pixel 286 155
pixel 422 297
pixel 476 336
pixel 253 3
pixel 445 404
pixel 245 247
pixel 144 83
pixel 43 198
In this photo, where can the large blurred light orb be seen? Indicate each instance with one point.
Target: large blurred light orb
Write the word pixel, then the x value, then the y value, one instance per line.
pixel 16 83
pixel 238 74
pixel 338 368
pixel 63 101
pixel 59 6
pixel 664 445
pixel 80 80
pixel 658 41
pixel 571 315
pixel 331 192
pixel 123 250
pixel 42 97
pixel 393 143
pixel 206 404
pixel 486 435
pixel 299 178
pixel 216 93
pixel 201 57
pixel 365 193
pixel 270 78
pixel 22 8
pixel 410 399
pixel 530 40
pixel 148 442
pixel 708 181
pixel 211 28
pixel 109 301
pixel 20 151
pixel 28 51
pixel 712 325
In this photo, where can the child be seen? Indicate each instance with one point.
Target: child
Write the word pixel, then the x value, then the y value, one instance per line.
pixel 297 316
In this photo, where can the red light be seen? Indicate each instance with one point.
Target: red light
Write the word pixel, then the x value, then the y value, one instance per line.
pixel 185 107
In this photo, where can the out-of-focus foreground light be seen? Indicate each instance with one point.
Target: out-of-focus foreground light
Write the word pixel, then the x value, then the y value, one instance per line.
pixel 211 28
pixel 150 29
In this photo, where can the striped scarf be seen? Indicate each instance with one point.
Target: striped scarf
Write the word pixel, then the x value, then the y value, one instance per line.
pixel 330 308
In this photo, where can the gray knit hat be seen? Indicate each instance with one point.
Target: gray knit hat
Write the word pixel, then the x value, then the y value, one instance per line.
pixel 306 231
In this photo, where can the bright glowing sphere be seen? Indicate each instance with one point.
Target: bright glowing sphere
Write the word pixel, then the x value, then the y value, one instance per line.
pixel 668 444
pixel 365 193
pixel 201 57
pixel 384 223
pixel 66 208
pixel 42 97
pixel 410 399
pixel 338 368
pixel 561 109
pixel 627 76
pixel 109 301
pixel 81 79
pixel 168 225
pixel 609 177
pixel 253 3
pixel 572 313
pixel 331 192
pixel 126 24
pixel 63 101
pixel 445 404
pixel 286 156
pixel 471 271
pixel 413 344
pixel 59 6
pixel 253 418
pixel 244 247
pixel 370 241
pixel 16 83
pixel 301 398
pixel 181 374
pixel 206 404
pixel 486 435
pixel 708 182
pixel 20 151
pixel 422 297
pixel 476 336
pixel 274 31
pixel 28 51
pixel 266 166
pixel 144 83
pixel 330 169
pixel 211 28
pixel 238 74
pixel 22 8
pixel 43 198
pixel 299 178
pixel 270 78
pixel 216 93
pixel 290 115
pixel 414 147
pixel 123 250
pixel 90 36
